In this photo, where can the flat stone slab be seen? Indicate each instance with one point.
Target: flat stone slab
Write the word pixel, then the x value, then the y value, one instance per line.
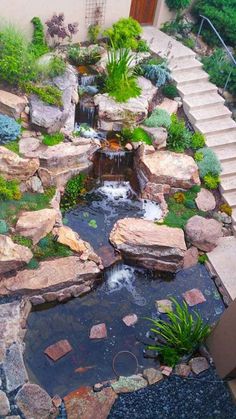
pixel 14 368
pixel 163 306
pixel 58 350
pixel 34 402
pixel 129 384
pixel 12 105
pixel 98 331
pixel 130 319
pixel 152 375
pixel 194 297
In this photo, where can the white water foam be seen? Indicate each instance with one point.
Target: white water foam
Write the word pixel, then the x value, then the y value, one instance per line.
pixel 114 190
pixel 152 210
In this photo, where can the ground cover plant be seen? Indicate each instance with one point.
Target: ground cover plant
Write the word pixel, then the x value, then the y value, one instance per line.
pixel 170 90
pixel 159 74
pixel 158 118
pixel 53 139
pixel 179 137
pixel 209 167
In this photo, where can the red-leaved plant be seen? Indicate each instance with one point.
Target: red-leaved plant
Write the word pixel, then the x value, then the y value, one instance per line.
pixel 58 31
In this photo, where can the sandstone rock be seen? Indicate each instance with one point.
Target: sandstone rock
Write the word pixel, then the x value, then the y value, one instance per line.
pixel 108 256
pixel 130 319
pixel 98 331
pixel 36 224
pixel 84 403
pixel 57 401
pixel 194 297
pixel 4 404
pixel 34 402
pixel 13 166
pixel 30 147
pixel 198 364
pixel 182 370
pixel 167 371
pixel 152 375
pixel 52 275
pixel 169 105
pixel 58 350
pixel 12 105
pixel 34 184
pixel 203 233
pixel 164 306
pixel 129 384
pixel 12 256
pixel 158 135
pixel 190 257
pixel 14 368
pixel 165 167
pixel 149 245
pixel 10 326
pixel 205 200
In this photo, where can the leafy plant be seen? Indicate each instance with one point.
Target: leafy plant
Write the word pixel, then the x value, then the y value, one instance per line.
pixel 48 94
pixel 211 181
pixel 56 67
pixel 23 241
pixel 202 259
pixel 58 31
pixel 209 163
pixel 170 91
pixel 83 56
pixel 226 208
pixel 177 4
pixel 92 223
pixel 198 156
pixel 124 33
pixel 180 335
pixel 159 74
pixel 38 44
pixel 9 129
pixel 3 227
pixel 197 141
pixel 121 82
pixel 179 197
pixel 13 146
pixel 139 134
pixel 75 187
pixel 158 118
pixel 93 33
pixel 219 66
pixel 53 139
pixel 142 46
pixel 33 264
pixel 179 137
pixel 9 189
pixel 48 247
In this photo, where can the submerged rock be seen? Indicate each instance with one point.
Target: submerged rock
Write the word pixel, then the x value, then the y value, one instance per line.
pixel 58 350
pixel 194 297
pixel 36 224
pixel 13 166
pixel 12 256
pixel 98 331
pixel 147 244
pixel 34 402
pixel 203 233
pixel 190 257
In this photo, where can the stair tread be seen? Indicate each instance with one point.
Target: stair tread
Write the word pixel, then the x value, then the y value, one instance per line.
pixel 190 76
pixel 226 152
pixel 214 140
pixel 215 125
pixel 184 64
pixel 203 100
pixel 213 111
pixel 230 198
pixel 228 167
pixel 228 183
pixel 197 88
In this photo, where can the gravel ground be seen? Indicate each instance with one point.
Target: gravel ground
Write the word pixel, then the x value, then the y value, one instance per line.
pixel 205 397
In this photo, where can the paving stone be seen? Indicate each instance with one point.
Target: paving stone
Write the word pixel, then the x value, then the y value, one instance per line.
pixel 58 350
pixel 129 384
pixel 14 368
pixel 194 297
pixel 4 404
pixel 199 364
pixel 98 331
pixel 183 370
pixel 130 319
pixel 152 375
pixel 163 306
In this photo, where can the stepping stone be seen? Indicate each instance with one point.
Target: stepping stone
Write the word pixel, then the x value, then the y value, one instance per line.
pixel 58 350
pixel 152 375
pixel 163 306
pixel 98 331
pixel 130 319
pixel 194 297
pixel 199 364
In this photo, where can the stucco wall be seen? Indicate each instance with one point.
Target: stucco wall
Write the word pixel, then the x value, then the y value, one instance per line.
pixel 20 12
pixel 163 14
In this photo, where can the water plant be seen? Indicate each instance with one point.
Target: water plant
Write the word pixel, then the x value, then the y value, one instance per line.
pixel 159 74
pixel 9 129
pixel 75 187
pixel 124 33
pixel 181 334
pixel 170 90
pixel 121 82
pixel 158 118
pixel 53 139
pixel 179 137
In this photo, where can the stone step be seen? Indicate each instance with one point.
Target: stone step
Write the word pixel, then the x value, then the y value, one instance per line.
pixel 202 101
pixel 183 78
pixel 226 152
pixel 184 65
pixel 212 112
pixel 196 89
pixel 230 198
pixel 215 140
pixel 228 183
pixel 215 126
pixel 228 168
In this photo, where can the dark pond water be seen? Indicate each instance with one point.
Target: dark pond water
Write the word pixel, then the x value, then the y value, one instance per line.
pixel 125 290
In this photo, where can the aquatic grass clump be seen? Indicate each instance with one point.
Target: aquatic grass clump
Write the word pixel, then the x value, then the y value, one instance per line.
pixel 181 334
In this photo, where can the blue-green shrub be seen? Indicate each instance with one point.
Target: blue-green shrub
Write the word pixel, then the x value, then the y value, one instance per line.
pixel 9 129
pixel 159 74
pixel 158 118
pixel 209 163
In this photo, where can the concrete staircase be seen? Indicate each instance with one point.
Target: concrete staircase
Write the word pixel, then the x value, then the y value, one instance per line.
pixel 203 105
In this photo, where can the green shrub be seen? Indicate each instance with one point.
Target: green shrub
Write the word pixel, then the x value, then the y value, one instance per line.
pixel 181 334
pixel 9 189
pixel 124 33
pixel 211 181
pixel 38 44
pixel 198 141
pixel 188 42
pixel 83 56
pixel 75 187
pixel 13 146
pixel 56 67
pixel 158 118
pixel 48 94
pixel 23 241
pixel 209 163
pixel 159 74
pixel 53 139
pixel 219 66
pixel 3 227
pixel 198 156
pixel 202 259
pixel 139 134
pixel 9 129
pixel 93 33
pixel 179 137
pixel 222 13
pixel 142 46
pixel 121 82
pixel 177 4
pixel 48 247
pixel 170 91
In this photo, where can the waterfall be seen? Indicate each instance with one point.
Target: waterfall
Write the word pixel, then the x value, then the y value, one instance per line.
pixel 87 80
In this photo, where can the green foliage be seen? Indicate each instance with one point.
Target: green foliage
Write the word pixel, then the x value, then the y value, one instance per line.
pixel 23 241
pixel 13 146
pixel 219 66
pixel 177 4
pixel 158 118
pixel 83 56
pixel 179 197
pixel 202 259
pixel 139 134
pixel 198 156
pixel 56 67
pixel 170 91
pixel 9 189
pixel 198 141
pixel 9 129
pixel 142 46
pixel 53 139
pixel 33 264
pixel 3 227
pixel 93 33
pixel 75 187
pixel 189 203
pixel 92 223
pixel 121 82
pixel 211 181
pixel 179 137
pixel 38 44
pixel 124 33
pixel 159 74
pixel 48 94
pixel 181 334
pixel 226 208
pixel 188 42
pixel 48 247
pixel 222 13
pixel 209 163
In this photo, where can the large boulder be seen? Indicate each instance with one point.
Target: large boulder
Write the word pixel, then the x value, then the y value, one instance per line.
pixel 113 115
pixel 53 118
pixel 12 256
pixel 36 224
pixel 13 166
pixel 34 402
pixel 12 105
pixel 203 233
pixel 149 245
pixel 165 167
